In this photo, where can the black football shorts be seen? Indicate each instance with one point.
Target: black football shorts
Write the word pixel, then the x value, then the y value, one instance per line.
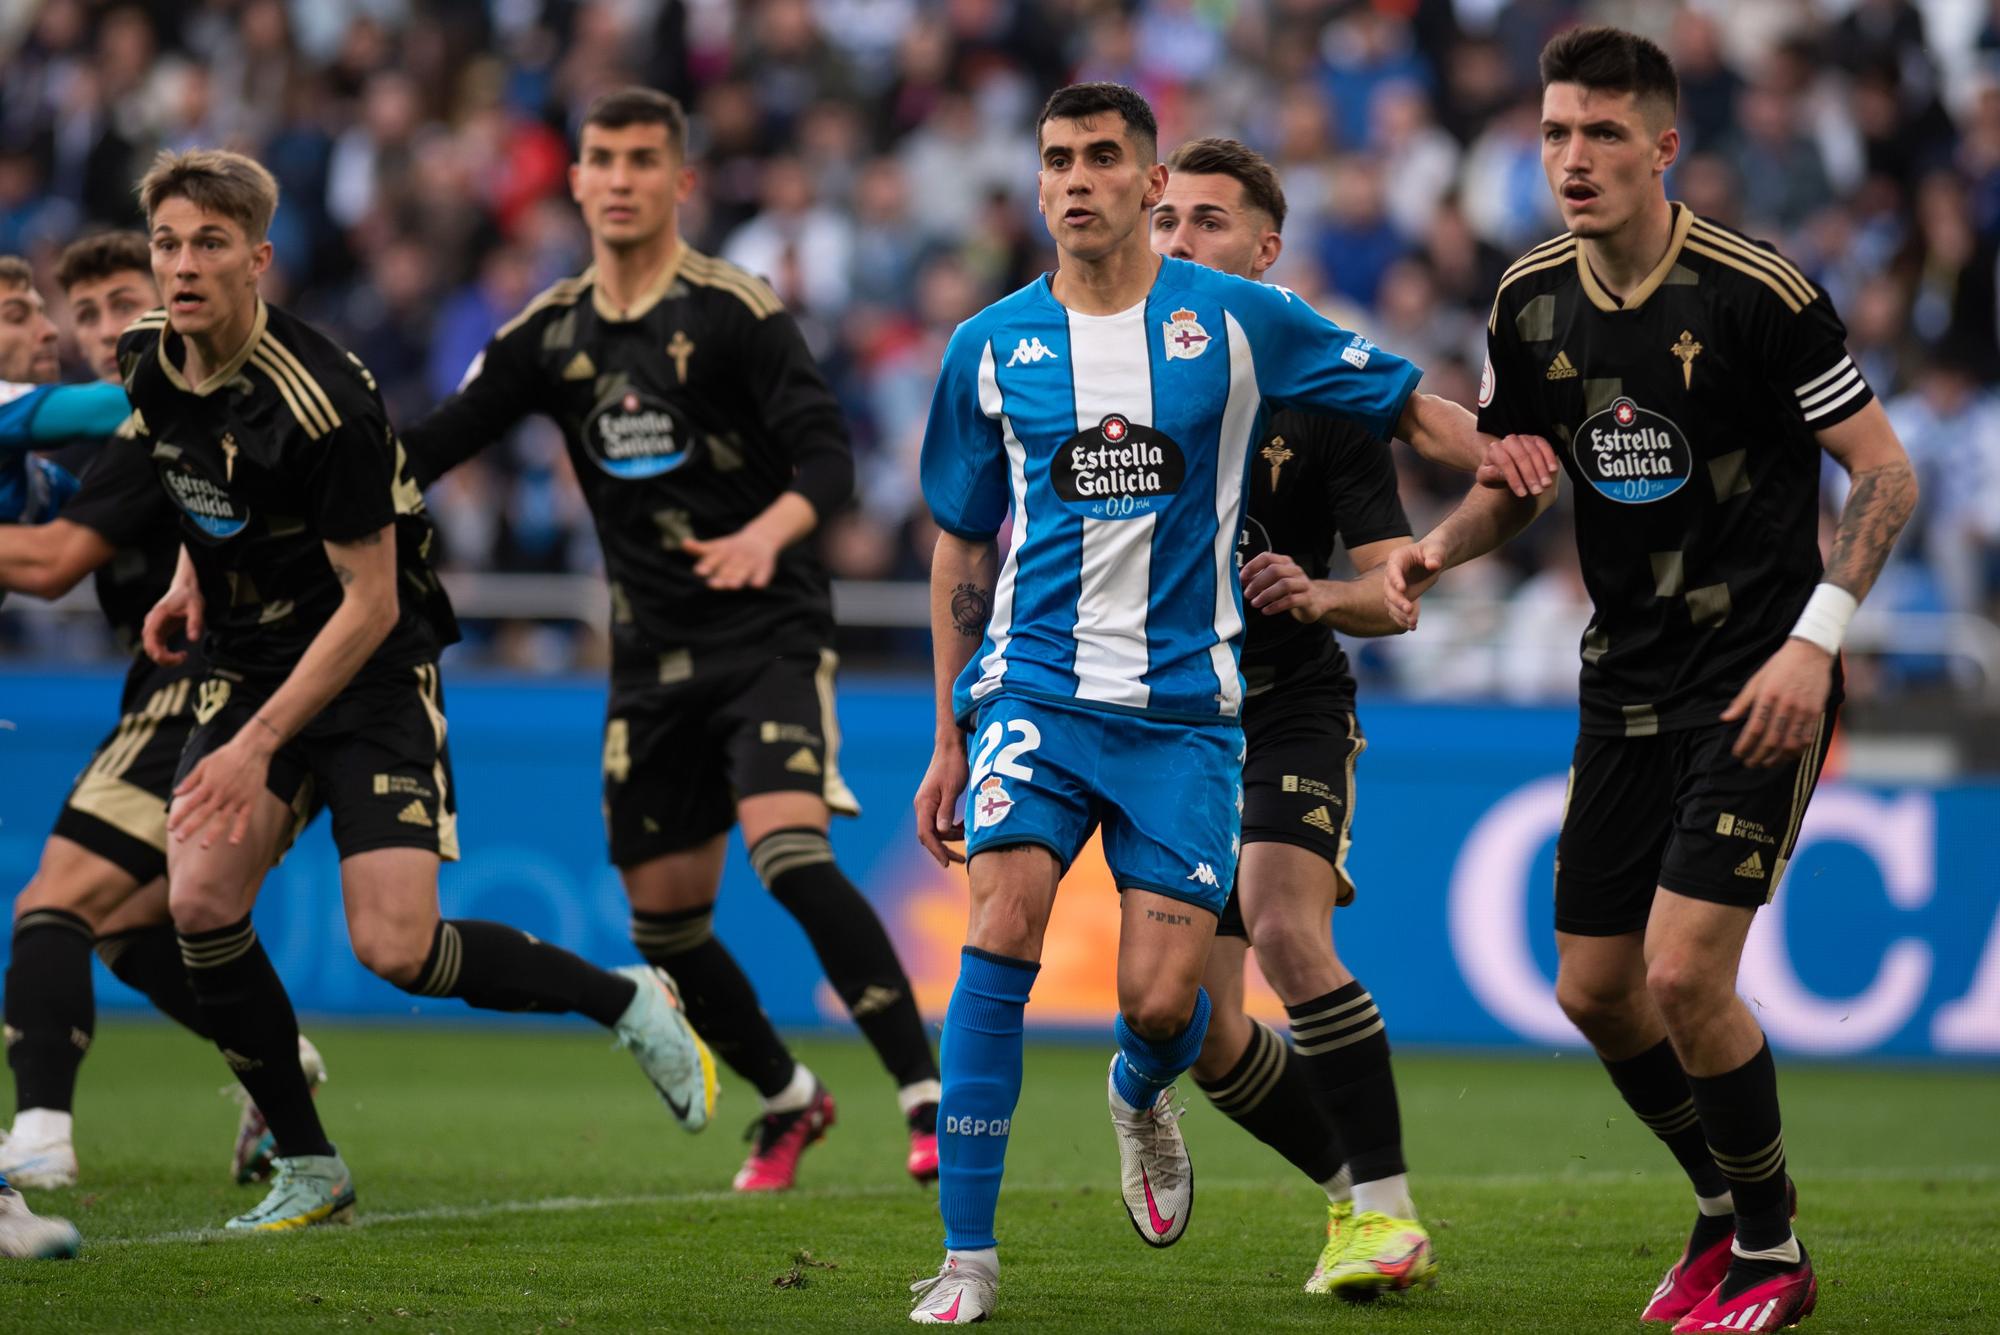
pixel 117 808
pixel 685 741
pixel 375 758
pixel 1678 811
pixel 1298 784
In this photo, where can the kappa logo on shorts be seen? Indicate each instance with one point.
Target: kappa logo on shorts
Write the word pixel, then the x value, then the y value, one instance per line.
pixel 991 804
pixel 1206 875
pixel 803 761
pixel 1320 819
pixel 1752 867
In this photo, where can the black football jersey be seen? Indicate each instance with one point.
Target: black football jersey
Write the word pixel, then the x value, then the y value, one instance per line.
pixel 120 500
pixel 284 449
pixel 1685 419
pixel 686 416
pixel 1313 480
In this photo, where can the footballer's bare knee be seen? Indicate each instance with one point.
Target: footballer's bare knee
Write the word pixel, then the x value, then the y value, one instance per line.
pixel 394 954
pixel 1013 892
pixel 71 879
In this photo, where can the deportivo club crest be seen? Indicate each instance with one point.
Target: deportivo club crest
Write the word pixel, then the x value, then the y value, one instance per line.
pixel 1185 336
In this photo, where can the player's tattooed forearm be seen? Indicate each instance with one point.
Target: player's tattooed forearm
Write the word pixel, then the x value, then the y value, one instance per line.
pixel 1171 919
pixel 970 607
pixel 1878 505
pixel 343 574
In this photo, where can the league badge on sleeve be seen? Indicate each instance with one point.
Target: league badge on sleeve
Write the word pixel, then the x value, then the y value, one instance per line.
pixel 1185 336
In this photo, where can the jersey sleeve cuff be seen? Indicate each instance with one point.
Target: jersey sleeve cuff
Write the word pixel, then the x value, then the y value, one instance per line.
pixel 1386 428
pixel 965 534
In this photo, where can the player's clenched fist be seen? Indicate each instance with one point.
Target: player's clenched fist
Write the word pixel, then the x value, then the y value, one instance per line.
pixel 1407 576
pixel 1525 465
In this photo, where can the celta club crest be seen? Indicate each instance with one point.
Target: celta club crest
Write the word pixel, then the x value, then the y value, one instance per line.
pixel 1185 337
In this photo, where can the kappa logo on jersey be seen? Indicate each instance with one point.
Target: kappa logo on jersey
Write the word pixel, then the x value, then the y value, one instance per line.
pixel 1029 351
pixel 211 509
pixel 633 435
pixel 1633 455
pixel 1205 874
pixel 1117 470
pixel 1186 339
pixel 990 804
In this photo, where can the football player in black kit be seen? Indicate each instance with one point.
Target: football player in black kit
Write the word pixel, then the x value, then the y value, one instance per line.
pixel 304 577
pixel 708 447
pixel 1692 376
pixel 102 876
pixel 1327 1100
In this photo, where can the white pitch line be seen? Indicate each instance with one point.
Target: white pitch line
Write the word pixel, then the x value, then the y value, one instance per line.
pixel 571 1204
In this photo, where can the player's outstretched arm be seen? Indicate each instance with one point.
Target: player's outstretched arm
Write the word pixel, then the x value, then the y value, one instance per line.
pixel 1446 433
pixel 217 795
pixel 1782 704
pixel 1274 584
pixel 48 560
pixel 963 573
pixel 498 391
pixel 51 415
pixel 1483 521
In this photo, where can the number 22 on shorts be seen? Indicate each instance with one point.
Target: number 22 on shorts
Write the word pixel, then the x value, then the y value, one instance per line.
pixel 989 801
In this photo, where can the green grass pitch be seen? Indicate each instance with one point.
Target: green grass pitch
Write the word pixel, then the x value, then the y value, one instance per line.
pixel 527 1179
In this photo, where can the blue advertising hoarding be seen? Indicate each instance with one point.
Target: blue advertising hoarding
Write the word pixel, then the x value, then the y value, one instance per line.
pixel 1884 940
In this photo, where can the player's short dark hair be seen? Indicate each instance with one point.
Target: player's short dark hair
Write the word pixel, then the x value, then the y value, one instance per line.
pixel 1081 101
pixel 216 181
pixel 635 105
pixel 91 258
pixel 1237 160
pixel 16 272
pixel 1611 60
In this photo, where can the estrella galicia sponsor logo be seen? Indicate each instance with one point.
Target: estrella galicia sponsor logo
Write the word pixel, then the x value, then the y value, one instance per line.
pixel 633 435
pixel 978 1126
pixel 1117 470
pixel 1632 455
pixel 210 508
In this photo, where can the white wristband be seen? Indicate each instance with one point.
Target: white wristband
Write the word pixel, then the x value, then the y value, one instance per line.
pixel 1824 622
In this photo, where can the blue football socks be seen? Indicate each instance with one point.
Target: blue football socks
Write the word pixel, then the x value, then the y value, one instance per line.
pixel 980 1057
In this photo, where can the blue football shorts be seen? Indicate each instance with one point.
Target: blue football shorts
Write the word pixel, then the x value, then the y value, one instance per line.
pixel 1169 796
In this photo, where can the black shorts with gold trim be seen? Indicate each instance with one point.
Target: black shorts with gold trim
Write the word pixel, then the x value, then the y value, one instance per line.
pixel 117 808
pixel 1676 810
pixel 375 758
pixel 685 738
pixel 1298 783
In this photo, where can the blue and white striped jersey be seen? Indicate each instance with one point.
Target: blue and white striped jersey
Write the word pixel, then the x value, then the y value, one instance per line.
pixel 1118 444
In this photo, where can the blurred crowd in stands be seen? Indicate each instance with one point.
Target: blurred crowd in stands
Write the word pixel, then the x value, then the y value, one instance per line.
pixel 874 159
